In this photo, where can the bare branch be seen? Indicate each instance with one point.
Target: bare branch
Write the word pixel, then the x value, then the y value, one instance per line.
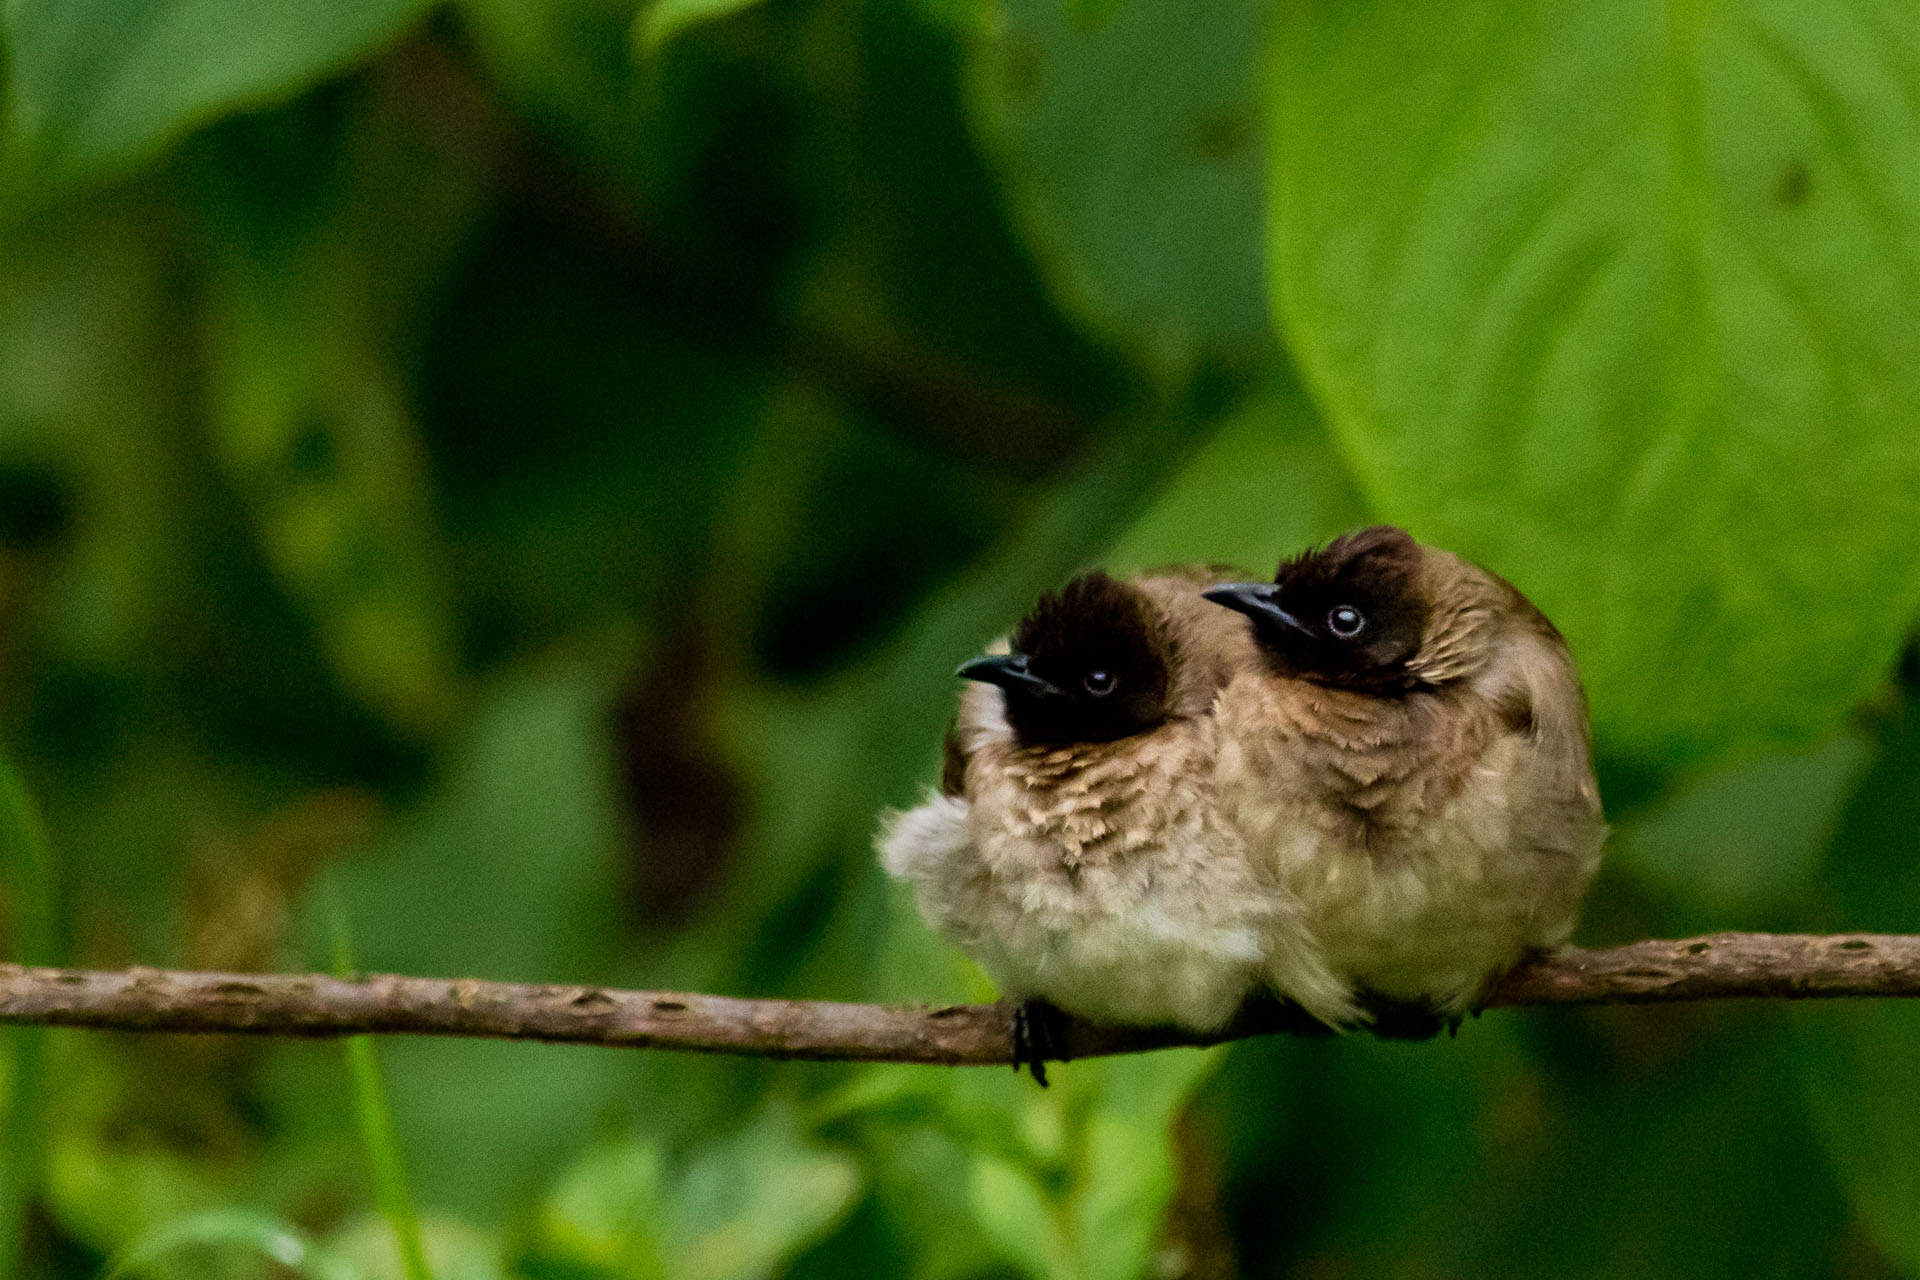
pixel 1721 966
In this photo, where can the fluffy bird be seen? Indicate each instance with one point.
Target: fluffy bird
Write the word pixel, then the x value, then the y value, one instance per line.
pixel 1076 849
pixel 1411 761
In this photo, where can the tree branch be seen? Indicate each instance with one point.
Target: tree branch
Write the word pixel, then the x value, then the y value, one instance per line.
pixel 1721 966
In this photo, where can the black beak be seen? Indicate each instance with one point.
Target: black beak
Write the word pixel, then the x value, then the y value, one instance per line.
pixel 1009 671
pixel 1259 601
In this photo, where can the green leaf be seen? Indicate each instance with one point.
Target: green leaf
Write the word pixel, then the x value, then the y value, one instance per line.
pixel 247 1229
pixel 1268 483
pixel 1128 140
pixel 1124 1159
pixel 96 86
pixel 1624 301
pixel 919 1178
pixel 1748 838
pixel 1012 1207
pixel 746 1205
pixel 458 1249
pixel 1073 1180
pixel 662 20
pixel 608 1211
pixel 751 1203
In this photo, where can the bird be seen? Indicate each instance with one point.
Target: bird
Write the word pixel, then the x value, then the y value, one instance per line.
pixel 1411 760
pixel 1074 847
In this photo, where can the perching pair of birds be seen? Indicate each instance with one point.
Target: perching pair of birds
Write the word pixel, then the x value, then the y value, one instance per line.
pixel 1365 788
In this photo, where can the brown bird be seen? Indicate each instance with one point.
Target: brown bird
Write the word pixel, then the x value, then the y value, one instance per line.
pixel 1076 849
pixel 1411 762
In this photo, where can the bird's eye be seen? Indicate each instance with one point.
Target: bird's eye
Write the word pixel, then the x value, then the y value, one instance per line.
pixel 1099 683
pixel 1345 621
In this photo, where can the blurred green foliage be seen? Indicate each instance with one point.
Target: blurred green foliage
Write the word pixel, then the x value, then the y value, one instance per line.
pixel 532 466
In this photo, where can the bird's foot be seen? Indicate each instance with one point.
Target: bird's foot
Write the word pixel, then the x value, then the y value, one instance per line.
pixel 1039 1033
pixel 1408 1019
pixel 1266 1011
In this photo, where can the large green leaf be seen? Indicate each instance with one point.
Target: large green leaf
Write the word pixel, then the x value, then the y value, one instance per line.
pixel 97 85
pixel 1625 300
pixel 1129 147
pixel 1267 483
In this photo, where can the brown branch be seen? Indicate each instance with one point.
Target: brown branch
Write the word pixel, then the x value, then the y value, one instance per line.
pixel 1722 966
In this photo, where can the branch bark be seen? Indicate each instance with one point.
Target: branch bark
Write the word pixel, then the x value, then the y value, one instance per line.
pixel 1720 966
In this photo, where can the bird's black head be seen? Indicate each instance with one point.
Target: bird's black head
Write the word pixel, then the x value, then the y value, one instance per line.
pixel 1350 613
pixel 1091 663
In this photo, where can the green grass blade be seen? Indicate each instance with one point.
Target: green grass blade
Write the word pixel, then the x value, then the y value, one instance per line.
pixel 375 1119
pixel 26 857
pixel 27 874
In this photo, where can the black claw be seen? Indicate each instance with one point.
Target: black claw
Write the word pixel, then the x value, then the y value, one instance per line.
pixel 1039 1033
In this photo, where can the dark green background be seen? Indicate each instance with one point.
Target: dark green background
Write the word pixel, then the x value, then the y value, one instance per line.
pixel 514 477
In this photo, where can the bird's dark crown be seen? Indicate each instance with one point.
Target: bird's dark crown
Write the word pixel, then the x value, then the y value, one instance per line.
pixel 1103 658
pixel 1374 572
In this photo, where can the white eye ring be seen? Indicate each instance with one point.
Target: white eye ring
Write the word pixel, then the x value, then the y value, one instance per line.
pixel 1099 683
pixel 1345 621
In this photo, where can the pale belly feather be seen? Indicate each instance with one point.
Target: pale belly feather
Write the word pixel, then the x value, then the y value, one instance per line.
pixel 1160 938
pixel 1432 915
